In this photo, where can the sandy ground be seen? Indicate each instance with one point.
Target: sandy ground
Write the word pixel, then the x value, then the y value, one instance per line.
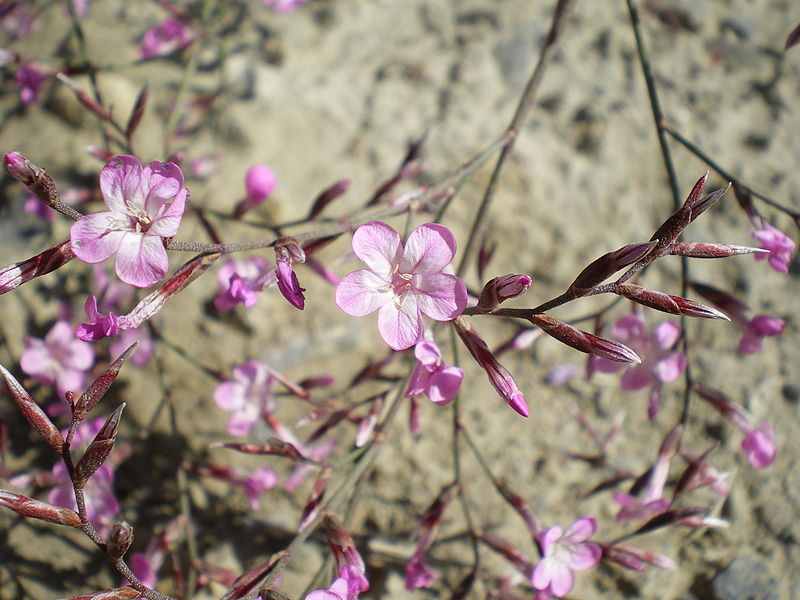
pixel 337 90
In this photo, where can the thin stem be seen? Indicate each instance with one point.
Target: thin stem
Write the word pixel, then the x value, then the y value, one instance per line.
pixel 724 173
pixel 523 108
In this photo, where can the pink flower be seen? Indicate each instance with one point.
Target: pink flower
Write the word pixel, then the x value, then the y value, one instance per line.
pixel 403 282
pixel 418 573
pixel 140 215
pixel 165 38
pixel 287 253
pixel 99 326
pixel 259 182
pixel 241 280
pixel 282 6
pixel 258 482
pixel 29 80
pixel 758 328
pixel 144 351
pixel 660 364
pixel 780 247
pixel 564 553
pixel 634 509
pixel 431 377
pixel 248 396
pixel 337 591
pixel 60 358
pixel 759 446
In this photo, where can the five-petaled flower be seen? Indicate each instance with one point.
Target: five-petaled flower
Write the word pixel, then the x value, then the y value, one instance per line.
pixel 563 553
pixel 758 328
pixel 403 282
pixel 780 247
pixel 59 358
pixel 248 396
pixel 140 215
pixel 660 363
pixel 439 382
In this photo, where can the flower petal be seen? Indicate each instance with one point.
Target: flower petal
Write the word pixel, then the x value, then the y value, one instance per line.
pixel 635 378
pixel 141 259
pixel 120 183
pixel 229 395
pixel 378 246
pixel 93 237
pixel 444 385
pixel 427 353
pixel 361 292
pixel 166 224
pixel 440 296
pixel 160 182
pixel 400 324
pixel 670 367
pixel 582 529
pixel 666 335
pixel 584 556
pixel 429 249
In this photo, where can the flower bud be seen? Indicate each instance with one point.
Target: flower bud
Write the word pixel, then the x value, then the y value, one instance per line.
pixel 708 250
pixel 120 539
pixel 669 304
pixel 33 413
pixel 100 386
pixel 328 196
pixel 608 264
pixel 259 182
pixel 502 288
pixel 97 452
pixel 583 341
pixel 121 593
pixel 36 509
pixel 45 262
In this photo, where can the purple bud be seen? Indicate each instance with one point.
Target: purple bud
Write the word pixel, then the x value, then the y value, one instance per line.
pixel 120 539
pixel 98 449
pixel 500 289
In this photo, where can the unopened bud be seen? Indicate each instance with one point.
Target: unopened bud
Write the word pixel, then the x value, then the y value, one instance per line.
pixel 36 509
pixel 328 196
pixel 33 413
pixel 669 304
pixel 45 262
pixel 500 289
pixel 709 250
pixel 120 539
pixel 259 182
pixel 121 593
pixel 100 386
pixel 99 449
pixel 583 341
pixel 608 264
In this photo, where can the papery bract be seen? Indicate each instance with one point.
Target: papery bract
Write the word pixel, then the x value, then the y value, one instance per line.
pixel 780 247
pixel 248 396
pixel 140 215
pixel 439 382
pixel 403 282
pixel 60 358
pixel 563 553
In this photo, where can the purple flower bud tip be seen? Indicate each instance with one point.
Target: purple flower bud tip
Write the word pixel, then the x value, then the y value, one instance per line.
pixel 259 182
pixel 517 402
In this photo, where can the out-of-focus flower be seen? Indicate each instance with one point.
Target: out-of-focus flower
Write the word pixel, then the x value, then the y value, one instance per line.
pixel 144 351
pixel 29 80
pixel 565 552
pixel 418 572
pixel 660 363
pixel 165 38
pixel 17 19
pixel 60 358
pixel 403 282
pixel 203 167
pixel 439 382
pixel 758 328
pixel 241 280
pixel 145 206
pixel 780 247
pixel 259 182
pixel 759 445
pixel 337 591
pixel 283 6
pixel 248 396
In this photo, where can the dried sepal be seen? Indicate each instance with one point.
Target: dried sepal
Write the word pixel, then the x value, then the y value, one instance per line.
pixel 635 558
pixel 793 38
pixel 508 551
pixel 99 449
pixel 36 509
pixel 136 113
pixel 45 262
pixel 674 305
pixel 583 341
pixel 311 509
pixel 95 392
pixel 33 412
pixel 521 507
